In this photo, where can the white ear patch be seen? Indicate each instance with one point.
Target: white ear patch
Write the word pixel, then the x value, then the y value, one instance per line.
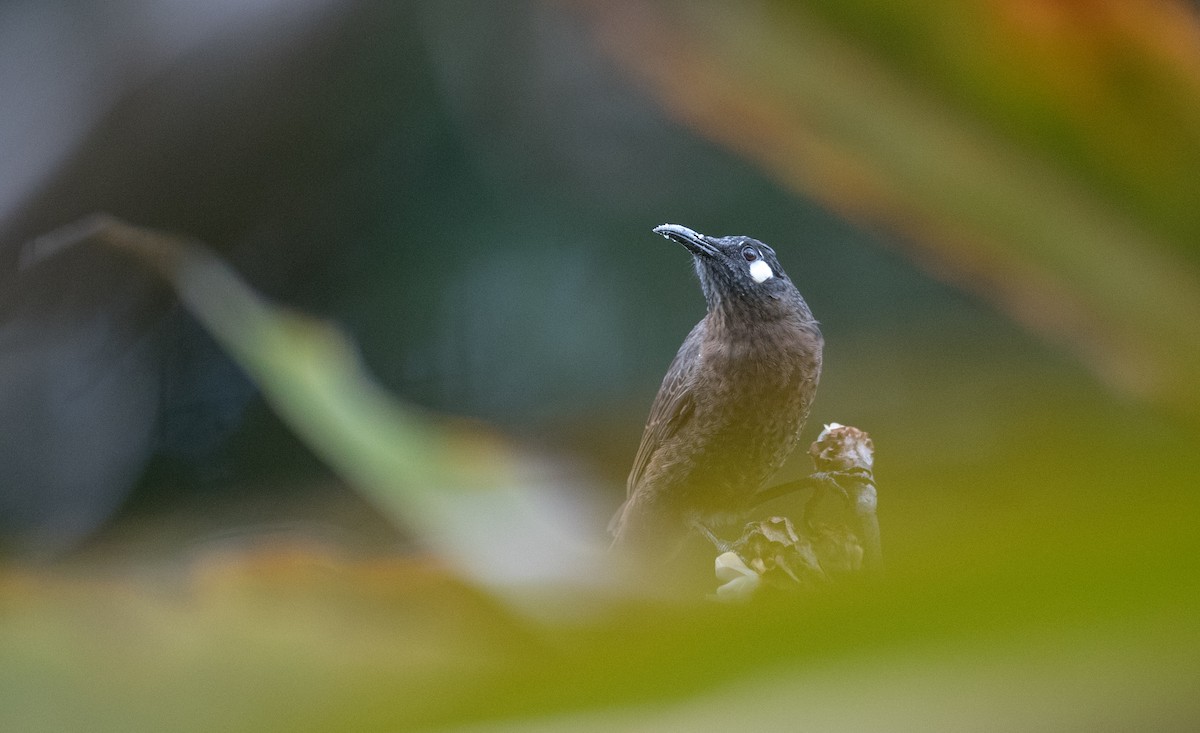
pixel 761 271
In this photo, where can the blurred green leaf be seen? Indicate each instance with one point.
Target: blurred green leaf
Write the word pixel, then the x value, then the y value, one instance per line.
pixel 498 512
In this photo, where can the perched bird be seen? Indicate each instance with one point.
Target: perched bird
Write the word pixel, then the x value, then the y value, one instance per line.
pixel 733 402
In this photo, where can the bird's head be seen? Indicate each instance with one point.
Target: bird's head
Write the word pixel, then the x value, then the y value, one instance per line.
pixel 737 272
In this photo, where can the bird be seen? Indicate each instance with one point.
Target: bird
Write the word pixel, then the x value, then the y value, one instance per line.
pixel 733 401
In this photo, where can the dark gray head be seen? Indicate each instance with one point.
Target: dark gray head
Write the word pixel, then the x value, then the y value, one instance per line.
pixel 738 272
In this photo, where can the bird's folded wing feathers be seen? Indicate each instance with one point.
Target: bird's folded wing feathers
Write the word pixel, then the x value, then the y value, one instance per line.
pixel 672 407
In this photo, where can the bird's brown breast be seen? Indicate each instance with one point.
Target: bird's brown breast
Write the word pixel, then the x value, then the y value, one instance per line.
pixel 751 392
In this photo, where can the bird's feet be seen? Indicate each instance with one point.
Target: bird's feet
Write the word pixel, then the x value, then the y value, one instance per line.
pixel 708 534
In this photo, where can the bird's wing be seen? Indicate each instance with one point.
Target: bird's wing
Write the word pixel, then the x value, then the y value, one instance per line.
pixel 672 407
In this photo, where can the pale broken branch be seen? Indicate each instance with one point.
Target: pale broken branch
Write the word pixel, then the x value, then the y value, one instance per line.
pixel 803 553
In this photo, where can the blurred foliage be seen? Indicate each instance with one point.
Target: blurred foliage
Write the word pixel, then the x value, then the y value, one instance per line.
pixel 1043 154
pixel 1040 534
pixel 463 490
pixel 1109 90
pixel 1086 624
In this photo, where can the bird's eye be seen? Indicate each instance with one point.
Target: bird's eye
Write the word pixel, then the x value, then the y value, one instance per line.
pixel 749 253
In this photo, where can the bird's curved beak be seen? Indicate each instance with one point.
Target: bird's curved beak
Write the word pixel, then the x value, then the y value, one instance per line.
pixel 696 243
